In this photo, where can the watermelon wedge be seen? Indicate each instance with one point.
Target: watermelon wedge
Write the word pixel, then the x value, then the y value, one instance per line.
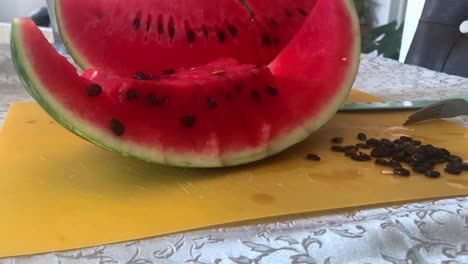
pixel 225 110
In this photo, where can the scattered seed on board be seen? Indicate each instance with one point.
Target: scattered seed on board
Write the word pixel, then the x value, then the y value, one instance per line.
pixel 432 174
pixel 362 136
pixel 312 156
pixel 337 140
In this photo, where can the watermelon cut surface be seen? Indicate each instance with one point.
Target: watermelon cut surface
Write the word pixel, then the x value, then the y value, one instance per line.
pixel 222 112
pixel 150 36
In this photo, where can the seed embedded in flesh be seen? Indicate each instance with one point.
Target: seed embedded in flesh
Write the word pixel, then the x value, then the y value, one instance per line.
pixel 142 76
pixel 301 11
pixel 221 36
pixel 188 121
pixel 153 99
pixel 136 24
pixel 212 104
pixel 169 72
pixel 131 95
pixel 205 31
pixel 94 90
pixel 312 156
pixel 288 13
pixel 255 96
pixel 160 28
pixel 266 40
pixel 190 36
pixel 272 90
pixel 362 136
pixel 232 29
pixel 337 140
pixel 117 127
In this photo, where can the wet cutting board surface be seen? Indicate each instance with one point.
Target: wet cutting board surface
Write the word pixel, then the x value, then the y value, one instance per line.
pixel 60 192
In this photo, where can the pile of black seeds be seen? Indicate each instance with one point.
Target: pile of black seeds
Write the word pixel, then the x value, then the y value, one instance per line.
pixel 401 156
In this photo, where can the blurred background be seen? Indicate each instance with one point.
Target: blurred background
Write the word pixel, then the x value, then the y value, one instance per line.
pixel 387 26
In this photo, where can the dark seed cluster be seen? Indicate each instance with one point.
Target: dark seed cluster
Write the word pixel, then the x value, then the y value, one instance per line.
pixel 421 158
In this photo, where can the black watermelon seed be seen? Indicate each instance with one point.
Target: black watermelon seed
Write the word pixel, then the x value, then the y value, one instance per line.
pixel 153 99
pixel 169 72
pixel 117 127
pixel 362 136
pixel 464 166
pixel 142 76
pixel 221 36
pixel 381 162
pixel 238 87
pixel 416 142
pixel 273 22
pixel 136 23
pixel 455 159
pixel 406 138
pixel 272 90
pixel 232 29
pixel 453 170
pixel 131 95
pixel 401 171
pixel 418 157
pixel 212 104
pixel 394 164
pixel 350 147
pixel 365 155
pixel 301 11
pixel 266 40
pixel 362 146
pixel 314 157
pixel 94 90
pixel 337 140
pixel 190 36
pixel 422 170
pixel 432 174
pixel 357 157
pixel 171 30
pixel 205 31
pixel 188 121
pixel 400 156
pixel 338 148
pixel 288 13
pixel 255 96
pixel 160 28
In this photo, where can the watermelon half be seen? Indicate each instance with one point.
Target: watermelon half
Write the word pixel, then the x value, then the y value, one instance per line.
pixel 193 99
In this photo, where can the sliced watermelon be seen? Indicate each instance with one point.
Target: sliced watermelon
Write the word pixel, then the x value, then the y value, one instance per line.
pixel 150 36
pixel 220 113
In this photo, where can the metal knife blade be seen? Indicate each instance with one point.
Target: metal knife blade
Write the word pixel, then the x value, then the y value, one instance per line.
pixel 388 105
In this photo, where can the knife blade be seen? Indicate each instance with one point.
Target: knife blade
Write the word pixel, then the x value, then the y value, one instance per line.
pixel 388 105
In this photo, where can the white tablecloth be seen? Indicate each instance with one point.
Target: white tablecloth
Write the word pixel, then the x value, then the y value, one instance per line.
pixel 425 232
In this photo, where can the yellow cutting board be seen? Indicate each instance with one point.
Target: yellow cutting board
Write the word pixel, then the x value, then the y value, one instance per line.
pixel 59 192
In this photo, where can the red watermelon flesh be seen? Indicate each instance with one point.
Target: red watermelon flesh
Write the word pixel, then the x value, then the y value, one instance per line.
pixel 150 36
pixel 218 114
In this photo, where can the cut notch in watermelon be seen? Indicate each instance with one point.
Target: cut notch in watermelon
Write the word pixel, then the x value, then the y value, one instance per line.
pixel 219 114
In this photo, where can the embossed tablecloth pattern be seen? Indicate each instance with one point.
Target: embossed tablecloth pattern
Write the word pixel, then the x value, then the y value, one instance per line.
pixel 426 232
